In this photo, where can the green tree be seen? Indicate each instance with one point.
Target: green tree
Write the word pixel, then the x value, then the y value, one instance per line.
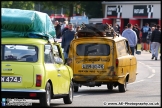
pixel 70 5
pixel 26 5
pixel 92 9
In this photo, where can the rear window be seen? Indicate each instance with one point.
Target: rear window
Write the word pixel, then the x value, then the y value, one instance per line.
pixel 19 53
pixel 93 49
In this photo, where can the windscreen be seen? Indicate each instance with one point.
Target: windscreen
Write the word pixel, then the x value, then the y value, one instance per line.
pixel 93 49
pixel 16 53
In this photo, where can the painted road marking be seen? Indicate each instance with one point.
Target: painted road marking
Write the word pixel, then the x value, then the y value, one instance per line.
pixel 136 82
pixel 153 71
pixel 148 66
pixel 151 75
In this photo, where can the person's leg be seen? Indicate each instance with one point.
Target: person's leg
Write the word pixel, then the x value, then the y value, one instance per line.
pixel 132 50
pixel 157 45
pixel 136 47
pixel 150 46
pixel 152 51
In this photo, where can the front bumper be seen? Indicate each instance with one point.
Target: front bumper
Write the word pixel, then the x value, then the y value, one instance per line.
pixel 22 93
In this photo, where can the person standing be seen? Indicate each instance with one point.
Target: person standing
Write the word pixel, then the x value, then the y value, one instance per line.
pixel 145 29
pixel 58 29
pixel 131 36
pixel 124 28
pixel 67 37
pixel 135 28
pixel 149 37
pixel 155 41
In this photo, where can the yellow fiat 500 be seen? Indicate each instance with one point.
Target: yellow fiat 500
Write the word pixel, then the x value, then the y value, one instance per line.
pixel 34 69
pixel 101 58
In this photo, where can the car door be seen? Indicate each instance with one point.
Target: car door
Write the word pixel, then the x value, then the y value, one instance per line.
pixel 133 63
pixel 63 71
pixel 124 58
pixel 51 68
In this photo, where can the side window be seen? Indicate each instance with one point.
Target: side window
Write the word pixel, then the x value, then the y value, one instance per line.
pixel 121 48
pixel 56 51
pixel 48 54
pixel 127 47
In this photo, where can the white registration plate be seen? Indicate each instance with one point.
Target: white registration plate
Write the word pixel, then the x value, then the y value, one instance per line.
pixel 11 79
pixel 92 66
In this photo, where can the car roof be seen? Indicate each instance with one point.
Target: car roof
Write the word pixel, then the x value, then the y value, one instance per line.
pixel 23 41
pixel 108 38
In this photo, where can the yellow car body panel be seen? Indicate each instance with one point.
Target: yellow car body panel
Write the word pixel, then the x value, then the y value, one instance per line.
pixel 111 72
pixel 28 70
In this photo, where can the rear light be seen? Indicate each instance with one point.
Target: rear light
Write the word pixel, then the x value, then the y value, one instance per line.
pixel 117 61
pixel 32 94
pixel 38 80
pixel 114 73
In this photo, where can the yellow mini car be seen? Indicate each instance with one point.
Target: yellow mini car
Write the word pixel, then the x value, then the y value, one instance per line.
pixel 101 57
pixel 34 69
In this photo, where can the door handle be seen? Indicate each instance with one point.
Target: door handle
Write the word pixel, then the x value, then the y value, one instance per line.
pixel 58 75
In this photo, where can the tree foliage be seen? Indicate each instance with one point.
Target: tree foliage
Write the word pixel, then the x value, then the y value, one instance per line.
pixel 26 5
pixel 91 9
pixel 61 4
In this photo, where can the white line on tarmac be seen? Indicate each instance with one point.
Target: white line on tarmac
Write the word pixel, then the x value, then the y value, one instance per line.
pixel 78 95
pixel 153 71
pixel 148 66
pixel 151 75
pixel 136 82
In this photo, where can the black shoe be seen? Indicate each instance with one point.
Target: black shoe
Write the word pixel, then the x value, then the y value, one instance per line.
pixel 155 58
pixel 152 57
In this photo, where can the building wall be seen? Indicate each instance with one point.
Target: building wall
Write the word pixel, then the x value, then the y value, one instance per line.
pixel 126 9
pixel 157 11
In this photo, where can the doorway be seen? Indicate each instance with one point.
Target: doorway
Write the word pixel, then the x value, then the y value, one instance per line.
pixel 126 21
pixel 151 22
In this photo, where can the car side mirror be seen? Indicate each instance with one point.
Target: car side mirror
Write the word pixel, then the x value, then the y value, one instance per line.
pixel 59 60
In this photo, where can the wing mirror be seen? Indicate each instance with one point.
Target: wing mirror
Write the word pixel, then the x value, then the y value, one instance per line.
pixel 59 60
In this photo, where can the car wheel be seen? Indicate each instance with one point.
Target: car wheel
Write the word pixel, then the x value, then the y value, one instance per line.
pixel 69 98
pixel 109 86
pixel 76 88
pixel 123 87
pixel 46 99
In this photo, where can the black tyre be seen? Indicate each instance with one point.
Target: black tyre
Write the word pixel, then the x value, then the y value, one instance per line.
pixel 76 88
pixel 69 98
pixel 46 99
pixel 123 87
pixel 109 86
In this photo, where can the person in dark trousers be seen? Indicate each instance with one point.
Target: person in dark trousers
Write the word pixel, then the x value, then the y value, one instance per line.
pixel 135 28
pixel 131 37
pixel 58 30
pixel 67 37
pixel 155 41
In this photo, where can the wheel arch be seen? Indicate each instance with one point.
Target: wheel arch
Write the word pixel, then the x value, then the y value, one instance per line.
pixel 51 86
